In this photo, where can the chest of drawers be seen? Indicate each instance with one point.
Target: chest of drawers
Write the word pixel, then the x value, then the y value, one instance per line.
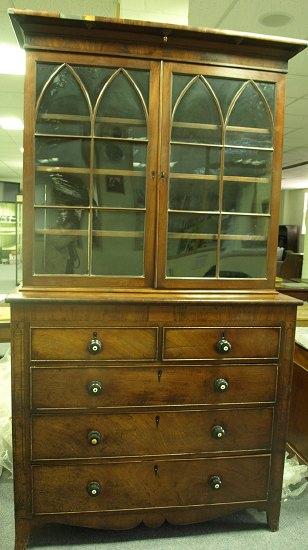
pixel 158 422
pixel 151 353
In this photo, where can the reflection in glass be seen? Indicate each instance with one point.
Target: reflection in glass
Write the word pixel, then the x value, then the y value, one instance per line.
pixel 253 226
pixel 225 90
pixel 243 259
pixel 121 112
pixel 62 152
pixel 269 90
pixel 120 221
pixel 63 108
pixel 116 256
pixel 193 195
pixel 246 197
pixel 61 241
pixel 119 191
pixel 250 111
pixel 43 73
pixel 195 160
pixel 120 155
pixel 193 223
pixel 58 188
pixel 197 107
pixel 191 258
pixel 118 243
pixel 93 79
pixel 248 163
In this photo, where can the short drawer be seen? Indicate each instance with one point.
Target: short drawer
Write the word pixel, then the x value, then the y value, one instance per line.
pixel 122 344
pixel 208 343
pixel 149 484
pixel 138 434
pixel 74 387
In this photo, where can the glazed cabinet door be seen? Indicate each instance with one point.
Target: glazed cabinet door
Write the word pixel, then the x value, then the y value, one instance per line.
pixel 94 158
pixel 220 171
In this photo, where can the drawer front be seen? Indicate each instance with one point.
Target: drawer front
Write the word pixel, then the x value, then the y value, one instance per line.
pixel 206 343
pixel 152 386
pixel 104 435
pixel 149 484
pixel 123 344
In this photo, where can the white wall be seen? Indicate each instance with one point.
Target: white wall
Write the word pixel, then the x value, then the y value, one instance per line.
pixel 291 212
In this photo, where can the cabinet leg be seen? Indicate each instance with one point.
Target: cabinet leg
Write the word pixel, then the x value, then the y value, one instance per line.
pixel 22 533
pixel 272 517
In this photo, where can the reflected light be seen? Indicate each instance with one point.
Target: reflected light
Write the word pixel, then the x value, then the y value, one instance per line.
pixel 12 60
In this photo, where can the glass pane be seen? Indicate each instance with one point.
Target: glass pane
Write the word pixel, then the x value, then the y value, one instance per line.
pixel 249 112
pixel 63 108
pixel 69 153
pixel 225 90
pixel 43 73
pixel 119 191
pixel 193 223
pixel 142 79
pixel 196 117
pixel 117 256
pixel 253 227
pixel 120 155
pixel 195 160
pixel 61 242
pixel 242 259
pixel 191 258
pixel 58 188
pixel 119 221
pixel 193 195
pixel 118 243
pixel 248 163
pixel 179 81
pixel 93 78
pixel 246 197
pixel 121 112
pixel 269 90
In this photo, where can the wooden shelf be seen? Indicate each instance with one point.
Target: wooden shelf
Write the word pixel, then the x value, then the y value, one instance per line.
pixel 194 236
pixel 63 232
pixel 212 237
pixel 64 169
pixel 125 234
pixel 87 118
pixel 96 171
pixel 199 126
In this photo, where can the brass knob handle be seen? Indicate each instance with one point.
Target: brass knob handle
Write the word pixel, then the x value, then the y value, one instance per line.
pixel 95 346
pixel 94 437
pixel 221 385
pixel 215 482
pixel 95 387
pixel 218 432
pixel 223 346
pixel 94 488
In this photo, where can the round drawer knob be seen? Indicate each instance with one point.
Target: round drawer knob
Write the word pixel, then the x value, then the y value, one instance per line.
pixel 94 437
pixel 95 387
pixel 94 488
pixel 215 482
pixel 221 385
pixel 95 346
pixel 218 432
pixel 223 346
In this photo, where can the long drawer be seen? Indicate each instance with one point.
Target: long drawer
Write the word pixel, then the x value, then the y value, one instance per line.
pixel 138 434
pixel 207 343
pixel 73 387
pixel 73 344
pixel 149 484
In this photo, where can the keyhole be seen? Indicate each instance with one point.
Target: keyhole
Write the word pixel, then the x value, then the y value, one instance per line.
pixel 94 334
pixel 157 419
pixel 156 472
pixel 159 373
